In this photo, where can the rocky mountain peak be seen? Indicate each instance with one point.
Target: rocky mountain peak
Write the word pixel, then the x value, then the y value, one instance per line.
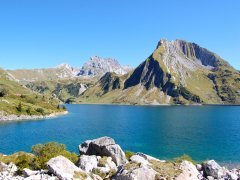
pixel 98 66
pixel 64 66
pixel 190 51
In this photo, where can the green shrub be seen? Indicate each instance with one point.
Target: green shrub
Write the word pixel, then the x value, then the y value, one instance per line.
pixel 28 110
pixel 40 110
pixel 129 154
pixel 21 160
pixel 3 92
pixel 44 152
pixel 23 96
pixel 19 107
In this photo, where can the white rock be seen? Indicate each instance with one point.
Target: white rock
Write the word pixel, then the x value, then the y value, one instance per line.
pixel 232 176
pixel 87 163
pixel 149 158
pixel 28 172
pixel 64 169
pixel 211 168
pixel 142 173
pixel 139 159
pixel 189 171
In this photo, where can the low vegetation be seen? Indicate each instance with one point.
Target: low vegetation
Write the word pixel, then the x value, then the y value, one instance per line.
pixel 184 158
pixel 129 154
pixel 19 100
pixel 41 154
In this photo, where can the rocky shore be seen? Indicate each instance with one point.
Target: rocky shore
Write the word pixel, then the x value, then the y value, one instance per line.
pixel 102 158
pixel 14 117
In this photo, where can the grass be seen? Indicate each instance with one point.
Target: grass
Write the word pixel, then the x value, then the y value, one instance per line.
pixel 184 158
pixel 168 170
pixel 129 154
pixel 20 100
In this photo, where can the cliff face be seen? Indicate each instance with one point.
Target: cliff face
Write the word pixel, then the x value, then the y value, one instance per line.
pixel 180 72
pixel 97 66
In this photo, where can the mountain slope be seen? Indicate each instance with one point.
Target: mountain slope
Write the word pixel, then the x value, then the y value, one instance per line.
pixel 178 72
pixel 18 99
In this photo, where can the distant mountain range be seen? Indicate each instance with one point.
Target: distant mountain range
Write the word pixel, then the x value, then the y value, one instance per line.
pixel 177 72
pixel 94 67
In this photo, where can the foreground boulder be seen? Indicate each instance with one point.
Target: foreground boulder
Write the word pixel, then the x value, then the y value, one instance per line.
pixel 64 169
pixel 189 172
pixel 8 172
pixel 87 163
pixel 104 146
pixel 135 172
pixel 213 169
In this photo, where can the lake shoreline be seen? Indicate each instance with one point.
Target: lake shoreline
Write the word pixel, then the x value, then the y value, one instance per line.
pixel 103 158
pixel 14 117
pixel 150 105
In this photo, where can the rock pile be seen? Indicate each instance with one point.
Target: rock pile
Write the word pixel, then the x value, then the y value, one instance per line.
pixel 102 158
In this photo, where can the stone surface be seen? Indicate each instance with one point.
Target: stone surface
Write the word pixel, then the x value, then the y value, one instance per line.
pixel 8 172
pixel 64 169
pixel 189 172
pixel 139 159
pixel 141 173
pixel 104 146
pixel 211 168
pixel 28 172
pixel 87 163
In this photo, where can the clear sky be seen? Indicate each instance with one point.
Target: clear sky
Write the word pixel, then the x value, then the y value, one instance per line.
pixel 45 33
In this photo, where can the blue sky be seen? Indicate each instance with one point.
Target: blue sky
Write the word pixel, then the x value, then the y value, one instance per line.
pixel 44 33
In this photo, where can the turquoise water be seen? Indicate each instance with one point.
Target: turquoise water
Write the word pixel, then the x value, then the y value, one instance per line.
pixel 203 132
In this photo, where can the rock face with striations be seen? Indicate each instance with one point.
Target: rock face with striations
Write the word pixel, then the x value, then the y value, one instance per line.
pixel 104 146
pixel 97 66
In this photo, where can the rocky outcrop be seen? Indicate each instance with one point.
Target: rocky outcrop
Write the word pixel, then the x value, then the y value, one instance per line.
pixel 213 169
pixel 189 172
pixel 109 82
pixel 8 172
pixel 64 169
pixel 104 146
pixel 93 164
pixel 139 173
pixel 87 163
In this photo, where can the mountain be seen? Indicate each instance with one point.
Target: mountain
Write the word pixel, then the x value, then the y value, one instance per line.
pixel 177 72
pixel 17 99
pixel 61 71
pixel 97 66
pixel 66 90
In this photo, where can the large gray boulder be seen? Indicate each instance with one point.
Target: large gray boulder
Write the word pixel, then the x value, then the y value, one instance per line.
pixel 64 169
pixel 87 163
pixel 213 169
pixel 140 173
pixel 104 146
pixel 189 172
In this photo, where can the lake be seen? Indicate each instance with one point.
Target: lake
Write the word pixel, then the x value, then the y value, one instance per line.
pixel 203 132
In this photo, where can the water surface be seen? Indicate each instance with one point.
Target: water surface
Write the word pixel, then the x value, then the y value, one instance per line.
pixel 203 132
